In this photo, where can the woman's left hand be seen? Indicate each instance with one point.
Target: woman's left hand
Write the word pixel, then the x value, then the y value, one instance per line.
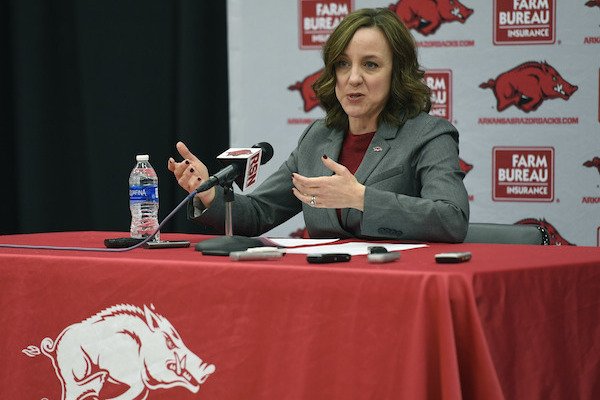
pixel 341 190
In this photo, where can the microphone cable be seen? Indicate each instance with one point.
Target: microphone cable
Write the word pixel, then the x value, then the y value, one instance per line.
pixel 268 154
pixel 102 249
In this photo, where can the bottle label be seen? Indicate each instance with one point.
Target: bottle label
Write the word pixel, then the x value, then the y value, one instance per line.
pixel 143 193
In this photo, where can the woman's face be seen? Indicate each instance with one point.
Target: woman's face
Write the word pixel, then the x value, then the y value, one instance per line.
pixel 363 78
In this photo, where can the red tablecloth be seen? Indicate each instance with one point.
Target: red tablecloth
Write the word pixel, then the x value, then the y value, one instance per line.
pixel 515 322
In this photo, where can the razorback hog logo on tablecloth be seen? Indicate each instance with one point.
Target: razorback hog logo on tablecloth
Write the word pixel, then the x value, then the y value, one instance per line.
pixel 527 85
pixel 305 87
pixel 426 16
pixel 125 351
pixel 555 237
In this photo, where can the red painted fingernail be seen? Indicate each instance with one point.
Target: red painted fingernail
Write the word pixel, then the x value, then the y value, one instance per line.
pixel 192 170
pixel 325 156
pixel 187 162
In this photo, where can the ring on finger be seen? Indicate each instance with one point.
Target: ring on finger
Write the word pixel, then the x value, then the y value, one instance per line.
pixel 313 201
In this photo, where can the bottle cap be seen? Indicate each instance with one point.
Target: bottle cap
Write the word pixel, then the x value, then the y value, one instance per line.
pixel 142 157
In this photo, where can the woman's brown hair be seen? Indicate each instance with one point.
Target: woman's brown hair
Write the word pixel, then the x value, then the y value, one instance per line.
pixel 409 95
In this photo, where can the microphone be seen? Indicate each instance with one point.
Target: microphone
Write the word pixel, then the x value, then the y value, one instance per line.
pixel 242 166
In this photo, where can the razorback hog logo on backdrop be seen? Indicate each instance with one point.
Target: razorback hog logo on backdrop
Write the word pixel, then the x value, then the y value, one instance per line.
pixel 555 237
pixel 125 351
pixel 305 87
pixel 426 16
pixel 593 163
pixel 593 3
pixel 465 166
pixel 527 85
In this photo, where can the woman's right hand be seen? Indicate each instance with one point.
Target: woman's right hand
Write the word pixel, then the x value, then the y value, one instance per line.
pixel 190 173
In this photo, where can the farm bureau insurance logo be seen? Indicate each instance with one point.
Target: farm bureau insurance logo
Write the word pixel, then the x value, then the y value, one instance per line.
pixel 123 350
pixel 524 22
pixel 523 174
pixel 317 19
pixel 440 83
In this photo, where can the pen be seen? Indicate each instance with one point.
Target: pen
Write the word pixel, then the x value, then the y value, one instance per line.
pixel 383 257
pixel 264 249
pixel 255 255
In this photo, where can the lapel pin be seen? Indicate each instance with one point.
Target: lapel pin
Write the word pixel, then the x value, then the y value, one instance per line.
pixel 377 148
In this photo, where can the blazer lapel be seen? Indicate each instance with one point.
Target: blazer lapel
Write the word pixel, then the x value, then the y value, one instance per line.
pixel 373 156
pixel 375 152
pixel 333 148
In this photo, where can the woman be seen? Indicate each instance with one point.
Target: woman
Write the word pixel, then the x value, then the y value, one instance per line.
pixel 378 166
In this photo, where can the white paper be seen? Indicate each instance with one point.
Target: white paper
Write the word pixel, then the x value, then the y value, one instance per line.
pixel 352 248
pixel 290 242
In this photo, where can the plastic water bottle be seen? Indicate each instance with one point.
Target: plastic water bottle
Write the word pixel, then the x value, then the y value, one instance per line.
pixel 143 199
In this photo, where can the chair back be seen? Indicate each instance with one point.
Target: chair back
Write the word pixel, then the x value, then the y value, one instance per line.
pixel 506 234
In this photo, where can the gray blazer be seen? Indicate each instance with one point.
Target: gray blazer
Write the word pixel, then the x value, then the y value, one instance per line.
pixel 414 188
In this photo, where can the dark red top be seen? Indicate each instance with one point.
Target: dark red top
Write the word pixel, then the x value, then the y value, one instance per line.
pixel 353 150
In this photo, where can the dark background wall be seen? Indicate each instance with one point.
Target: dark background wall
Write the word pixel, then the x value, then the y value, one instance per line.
pixel 87 85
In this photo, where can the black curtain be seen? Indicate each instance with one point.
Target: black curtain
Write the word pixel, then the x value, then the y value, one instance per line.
pixel 87 85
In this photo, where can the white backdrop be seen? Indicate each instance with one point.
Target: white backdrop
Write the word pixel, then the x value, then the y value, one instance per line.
pixel 522 162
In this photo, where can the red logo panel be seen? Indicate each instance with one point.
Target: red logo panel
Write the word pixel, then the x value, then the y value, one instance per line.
pixel 523 174
pixel 317 19
pixel 440 83
pixel 524 22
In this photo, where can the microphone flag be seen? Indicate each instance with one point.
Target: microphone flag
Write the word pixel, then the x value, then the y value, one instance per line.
pixel 248 159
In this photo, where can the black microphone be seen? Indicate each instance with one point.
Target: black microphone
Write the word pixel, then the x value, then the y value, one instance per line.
pixel 242 168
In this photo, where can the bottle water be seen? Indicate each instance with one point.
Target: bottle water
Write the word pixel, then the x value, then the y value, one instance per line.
pixel 143 199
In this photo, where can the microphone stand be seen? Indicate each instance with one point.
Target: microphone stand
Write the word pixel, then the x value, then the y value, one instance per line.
pixel 222 246
pixel 229 198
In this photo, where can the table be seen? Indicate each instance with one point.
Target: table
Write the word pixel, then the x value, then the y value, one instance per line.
pixel 515 322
